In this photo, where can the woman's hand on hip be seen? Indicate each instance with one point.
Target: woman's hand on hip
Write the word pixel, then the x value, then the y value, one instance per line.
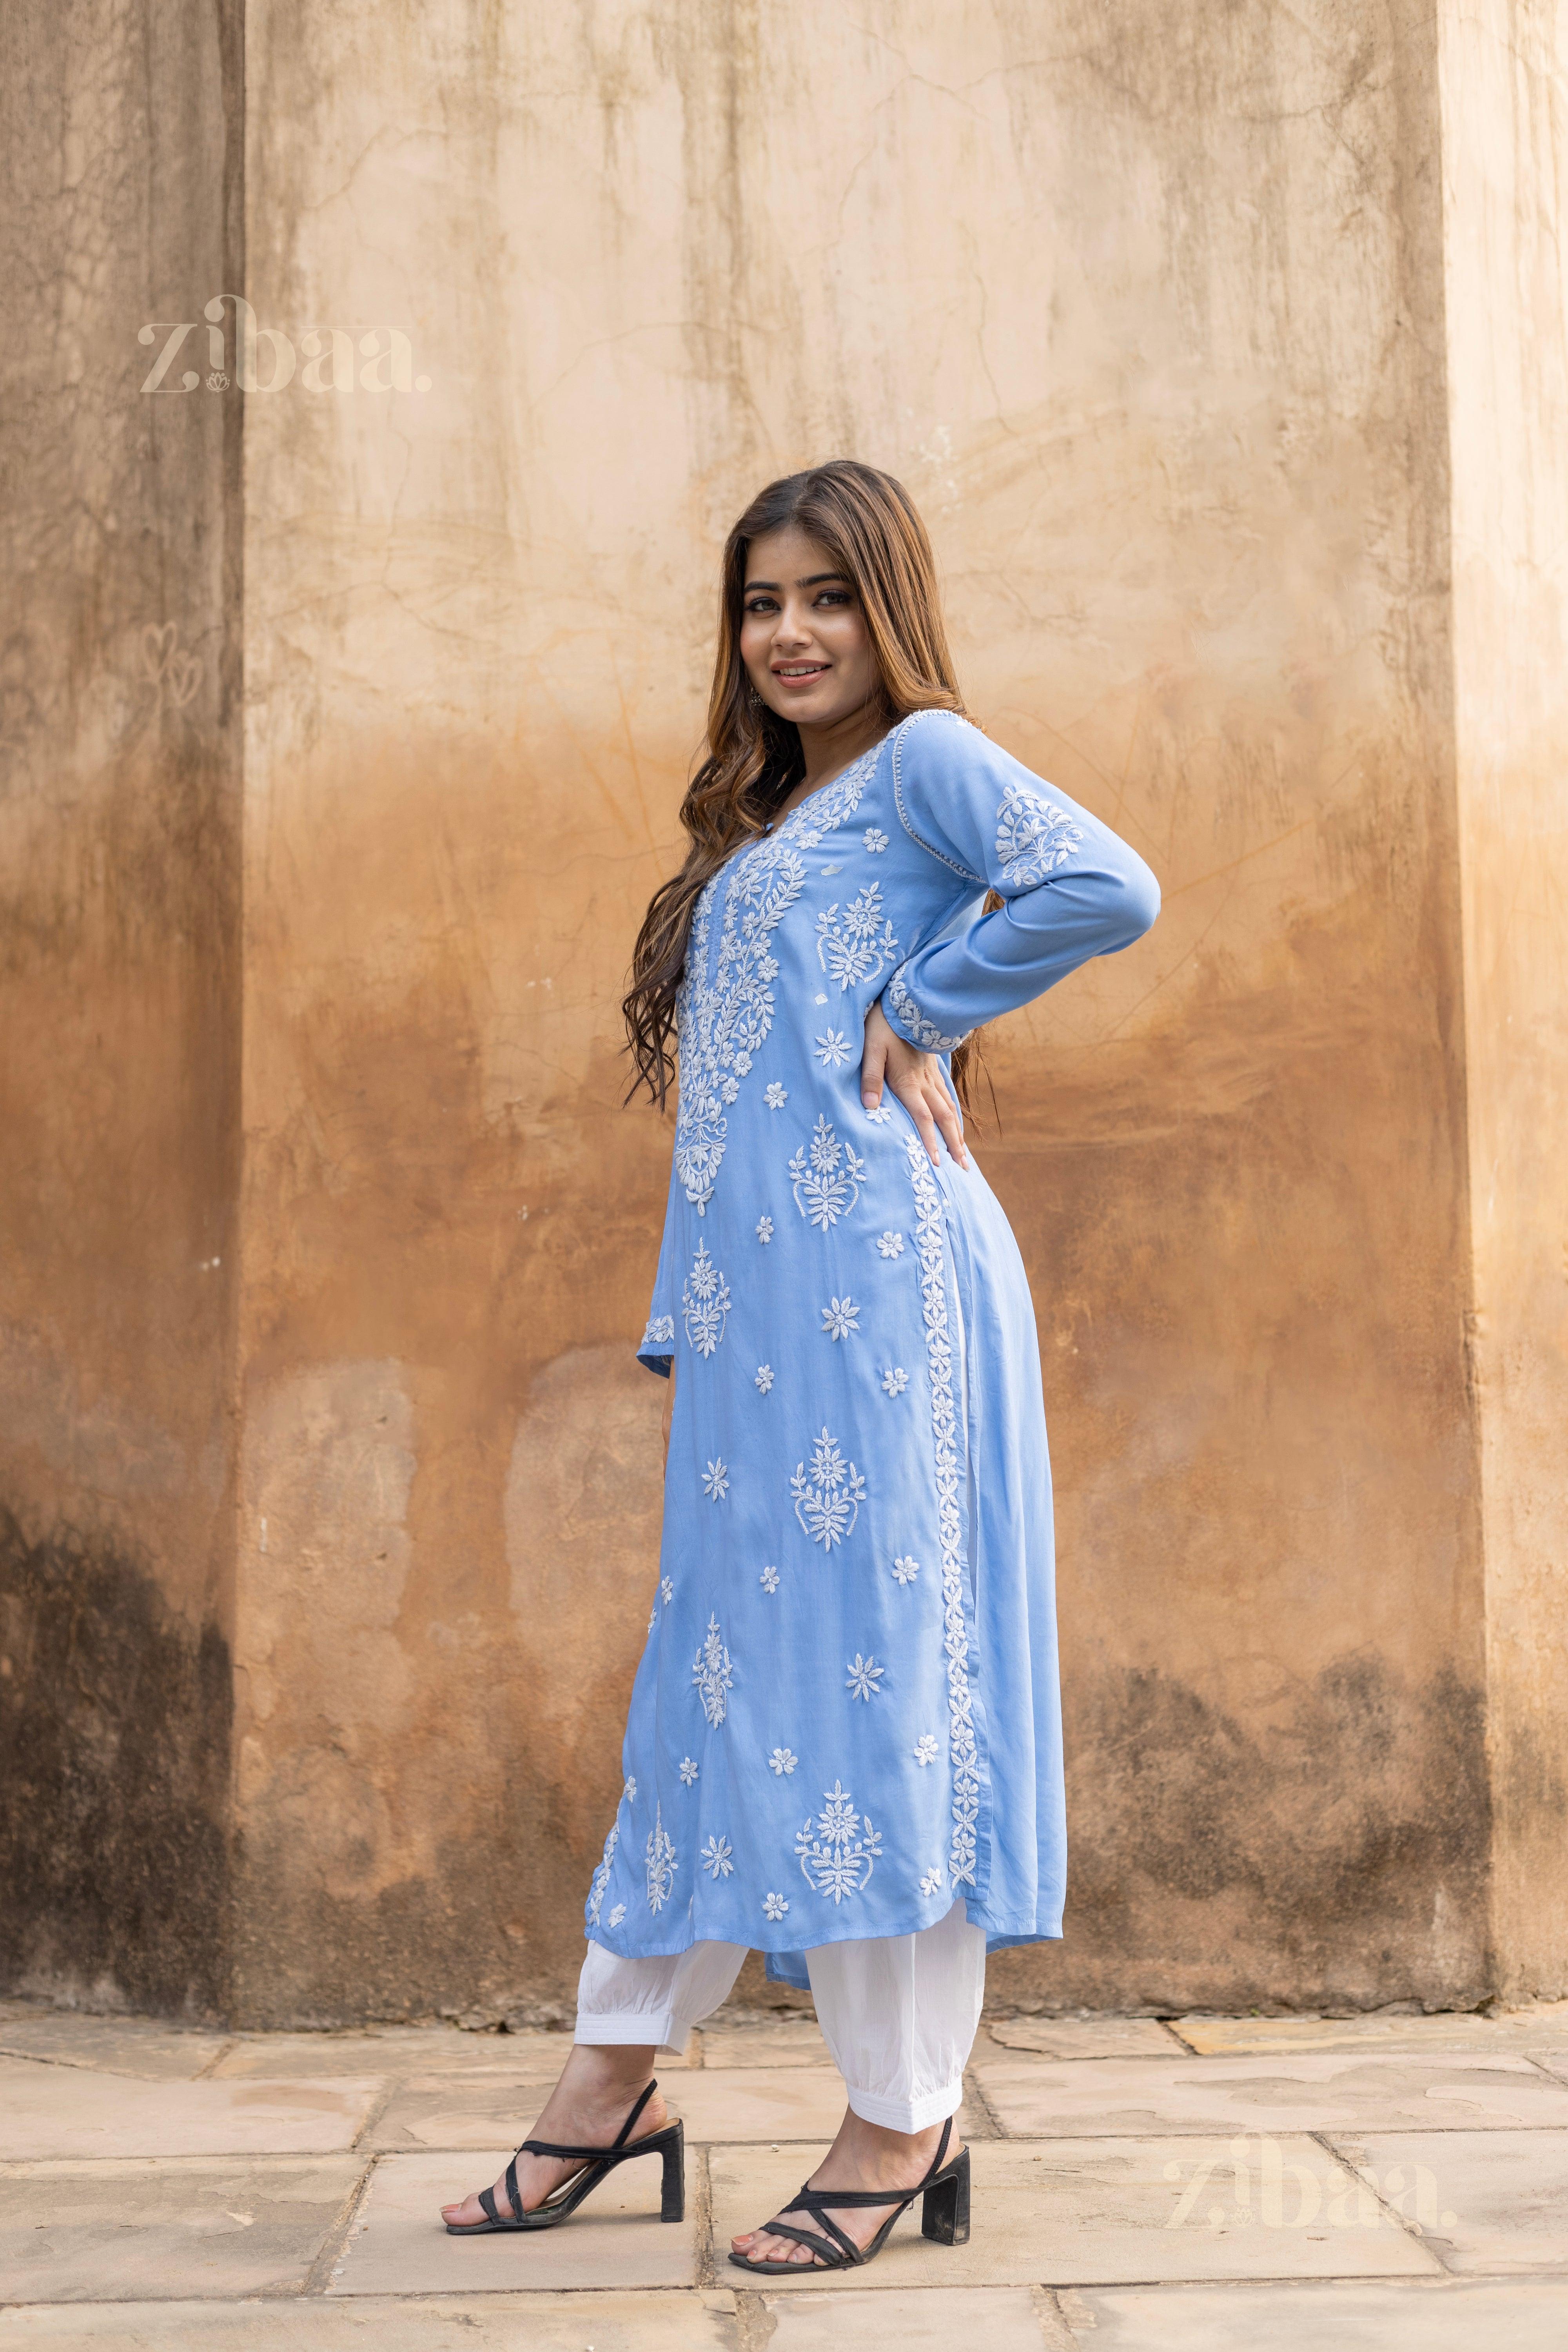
pixel 918 1081
pixel 668 1409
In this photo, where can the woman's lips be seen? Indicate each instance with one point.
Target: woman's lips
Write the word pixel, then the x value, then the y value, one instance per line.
pixel 801 678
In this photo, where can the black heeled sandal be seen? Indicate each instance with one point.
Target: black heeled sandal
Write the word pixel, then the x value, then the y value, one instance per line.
pixel 600 2162
pixel 944 2216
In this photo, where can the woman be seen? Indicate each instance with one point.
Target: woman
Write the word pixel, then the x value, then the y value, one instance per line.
pixel 844 1745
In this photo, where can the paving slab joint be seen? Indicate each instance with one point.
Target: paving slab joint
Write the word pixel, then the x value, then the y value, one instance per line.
pixel 699 2198
pixel 755 2325
pixel 1055 2332
pixel 329 2253
pixel 982 2116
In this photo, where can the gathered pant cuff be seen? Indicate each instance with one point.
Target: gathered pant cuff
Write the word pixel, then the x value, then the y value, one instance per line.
pixel 657 2028
pixel 906 2114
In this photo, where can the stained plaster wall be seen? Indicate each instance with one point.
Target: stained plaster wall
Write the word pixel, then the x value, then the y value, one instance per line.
pixel 1148 306
pixel 119 553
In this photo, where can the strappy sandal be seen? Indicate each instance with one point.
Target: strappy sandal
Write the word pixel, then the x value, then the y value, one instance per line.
pixel 599 2163
pixel 944 2216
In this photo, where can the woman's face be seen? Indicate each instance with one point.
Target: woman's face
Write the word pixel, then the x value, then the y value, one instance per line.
pixel 802 634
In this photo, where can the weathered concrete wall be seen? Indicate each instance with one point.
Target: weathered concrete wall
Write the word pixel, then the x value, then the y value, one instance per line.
pixel 118 1071
pixel 1147 309
pixel 1505 181
pixel 1160 313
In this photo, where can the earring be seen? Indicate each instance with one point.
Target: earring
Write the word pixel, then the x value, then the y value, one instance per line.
pixel 753 699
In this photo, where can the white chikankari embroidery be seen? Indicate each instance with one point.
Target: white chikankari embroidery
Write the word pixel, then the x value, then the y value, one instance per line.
pixel 926 1747
pixel 688 1770
pixel 774 1095
pixel 711 1675
pixel 774 1907
pixel 602 1875
pixel 630 1790
pixel 653 1617
pixel 838 1850
pixel 705 1303
pixel 827 1503
pixel 832 1049
pixel 839 1318
pixel 723 1023
pixel 716 1482
pixel 851 947
pixel 660 1855
pixel 764 1229
pixel 906 1570
pixel 833 869
pixel 865 1677
pixel 660 1332
pixel 931 1880
pixel 827 1178
pixel 875 839
pixel 819 1000
pixel 765 1378
pixel 666 1591
pixel 618 1915
pixel 881 1115
pixel 717 1857
pixel 924 1033
pixel 769 1580
pixel 891 1245
pixel 962 1749
pixel 783 1761
pixel 895 1379
pixel 1033 836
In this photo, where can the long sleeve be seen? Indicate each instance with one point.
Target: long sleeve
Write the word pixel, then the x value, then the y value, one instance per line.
pixel 1071 888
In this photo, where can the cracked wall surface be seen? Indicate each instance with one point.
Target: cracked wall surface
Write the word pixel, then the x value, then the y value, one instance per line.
pixel 1156 314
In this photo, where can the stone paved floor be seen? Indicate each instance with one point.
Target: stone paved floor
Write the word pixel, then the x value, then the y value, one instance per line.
pixel 1206 2185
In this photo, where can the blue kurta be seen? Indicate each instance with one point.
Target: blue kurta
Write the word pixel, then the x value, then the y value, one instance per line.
pixel 846 1714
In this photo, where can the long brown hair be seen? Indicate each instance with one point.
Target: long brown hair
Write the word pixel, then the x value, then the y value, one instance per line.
pixel 869 525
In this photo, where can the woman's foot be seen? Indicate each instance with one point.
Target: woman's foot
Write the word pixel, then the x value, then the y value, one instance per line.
pixel 597 2090
pixel 863 2156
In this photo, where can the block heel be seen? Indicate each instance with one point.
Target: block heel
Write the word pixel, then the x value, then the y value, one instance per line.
pixel 672 2203
pixel 945 2210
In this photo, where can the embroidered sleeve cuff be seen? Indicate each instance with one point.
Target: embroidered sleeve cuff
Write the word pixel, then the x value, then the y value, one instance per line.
pixel 657 1348
pixel 910 1023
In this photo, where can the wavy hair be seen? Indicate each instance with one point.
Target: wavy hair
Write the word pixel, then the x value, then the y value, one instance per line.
pixel 869 525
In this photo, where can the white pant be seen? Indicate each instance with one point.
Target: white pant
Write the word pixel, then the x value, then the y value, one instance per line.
pixel 897 2012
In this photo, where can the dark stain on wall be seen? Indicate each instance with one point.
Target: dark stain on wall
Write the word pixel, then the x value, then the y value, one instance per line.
pixel 114 1748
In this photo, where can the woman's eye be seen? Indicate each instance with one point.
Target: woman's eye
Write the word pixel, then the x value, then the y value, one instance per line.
pixel 834 596
pixel 761 604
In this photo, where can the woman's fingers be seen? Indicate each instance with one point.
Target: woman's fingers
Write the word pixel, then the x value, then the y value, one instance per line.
pixel 873 1064
pixel 934 1113
pixel 952 1126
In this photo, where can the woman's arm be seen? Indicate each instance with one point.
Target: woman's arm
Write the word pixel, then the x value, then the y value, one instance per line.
pixel 668 1409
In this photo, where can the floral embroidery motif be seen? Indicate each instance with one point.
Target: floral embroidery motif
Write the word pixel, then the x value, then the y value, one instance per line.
pixel 666 1591
pixel 891 1245
pixel 839 1851
pixel 849 946
pixel 832 1049
pixel 723 1023
pixel 618 1915
pixel 895 1379
pixel 905 1011
pixel 660 1855
pixel 774 1907
pixel 839 1318
pixel 881 1115
pixel 827 1503
pixel 630 1790
pixel 783 1761
pixel 712 1675
pixel 926 1747
pixel 764 1229
pixel 705 1303
pixel 906 1570
pixel 602 1875
pixel 769 1580
pixel 1033 836
pixel 819 1000
pixel 827 1176
pixel 962 1749
pixel 660 1332
pixel 765 1378
pixel 717 1857
pixel 774 1095
pixel 875 839
pixel 931 1880
pixel 716 1482
pixel 865 1677
pixel 688 1770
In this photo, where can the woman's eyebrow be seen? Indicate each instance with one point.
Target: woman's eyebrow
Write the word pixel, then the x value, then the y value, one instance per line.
pixel 817 579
